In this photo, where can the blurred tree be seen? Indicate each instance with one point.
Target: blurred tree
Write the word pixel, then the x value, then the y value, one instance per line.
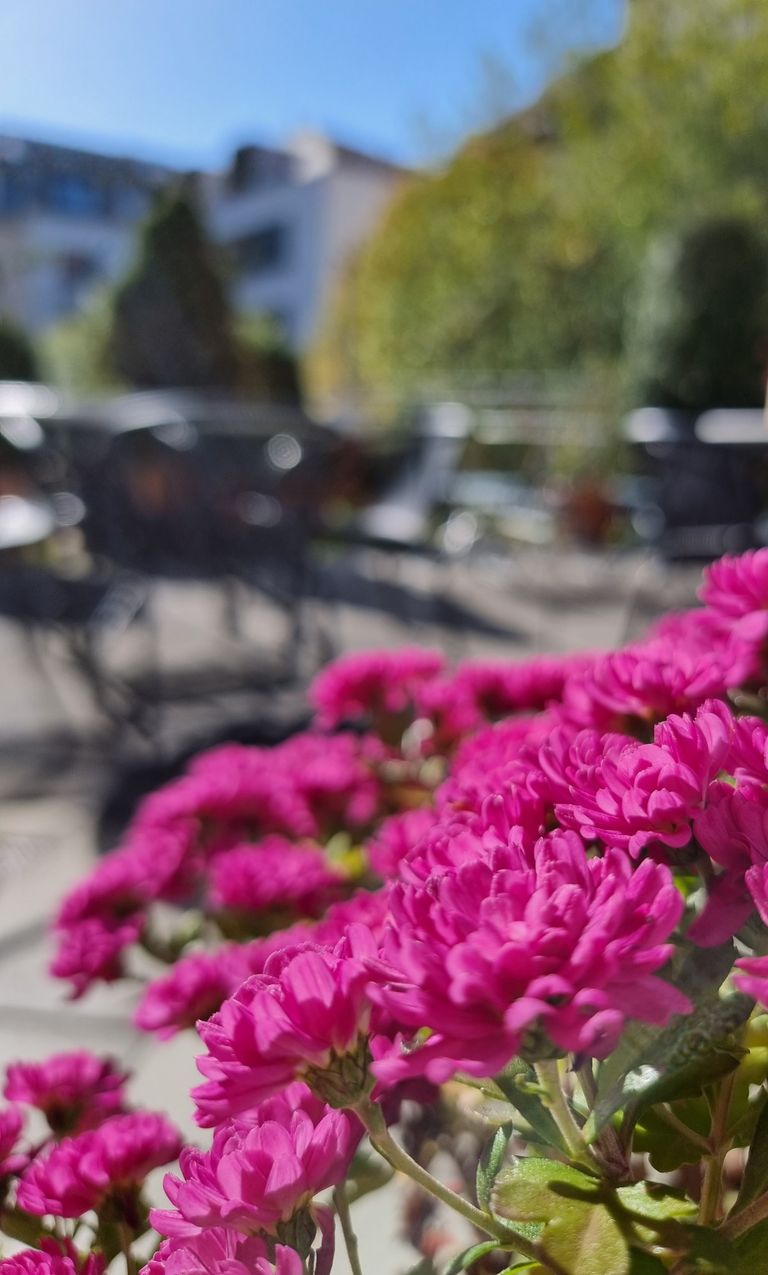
pixel 523 251
pixel 171 322
pixel 698 337
pixel 18 358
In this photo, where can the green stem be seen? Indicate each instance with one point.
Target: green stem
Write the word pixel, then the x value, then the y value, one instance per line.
pixel 712 1182
pixel 746 1218
pixel 383 1142
pixel 554 1098
pixel 131 1264
pixel 341 1201
pixel 665 1113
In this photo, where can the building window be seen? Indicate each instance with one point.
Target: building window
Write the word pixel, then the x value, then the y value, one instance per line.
pixel 262 250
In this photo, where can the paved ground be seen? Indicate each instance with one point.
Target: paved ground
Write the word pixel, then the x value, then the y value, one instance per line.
pixel 61 757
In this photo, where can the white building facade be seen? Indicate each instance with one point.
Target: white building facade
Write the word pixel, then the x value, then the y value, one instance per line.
pixel 288 220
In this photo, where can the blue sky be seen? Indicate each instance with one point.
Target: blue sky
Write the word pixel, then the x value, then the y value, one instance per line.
pixel 185 80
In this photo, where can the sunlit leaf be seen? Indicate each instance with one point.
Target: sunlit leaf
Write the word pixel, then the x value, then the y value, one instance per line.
pixel 582 1237
pixel 655 1202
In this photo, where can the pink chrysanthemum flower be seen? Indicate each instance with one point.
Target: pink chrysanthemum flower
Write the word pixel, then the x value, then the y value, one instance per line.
pixel 75 1091
pixel 499 687
pixel 642 794
pixel 217 1251
pixel 748 757
pixel 11 1125
pixel 446 713
pixel 751 977
pixel 77 1174
pixel 737 586
pixel 54 1257
pixel 736 592
pixel 94 951
pixel 376 685
pixel 274 875
pixel 366 908
pixel 641 685
pixel 493 954
pixel 193 989
pixel 308 786
pixel 308 1009
pixel 257 1175
pixel 395 837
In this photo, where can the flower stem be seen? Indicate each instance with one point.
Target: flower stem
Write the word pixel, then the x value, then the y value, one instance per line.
pixel 712 1182
pixel 341 1201
pixel 746 1218
pixel 665 1113
pixel 131 1264
pixel 549 1078
pixel 383 1142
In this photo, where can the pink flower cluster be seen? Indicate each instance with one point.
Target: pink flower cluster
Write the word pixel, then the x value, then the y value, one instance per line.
pixel 203 835
pixel 216 1251
pixel 77 1174
pixel 502 865
pixel 259 1172
pixel 511 944
pixel 75 1091
pixel 55 1257
pixel 308 1008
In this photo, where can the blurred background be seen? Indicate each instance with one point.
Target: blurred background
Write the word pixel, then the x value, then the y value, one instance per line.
pixel 325 326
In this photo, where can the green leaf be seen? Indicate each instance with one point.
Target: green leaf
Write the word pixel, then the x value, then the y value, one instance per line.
pixel 652 1064
pixel 667 1147
pixel 755 1180
pixel 519 1085
pixel 582 1237
pixel 656 1202
pixel 490 1163
pixel 524 1193
pixel 470 1255
pixel 586 1242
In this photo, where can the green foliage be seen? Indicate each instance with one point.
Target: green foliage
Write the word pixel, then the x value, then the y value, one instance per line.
pixel 583 1237
pixel 523 252
pixel 171 321
pixel 76 350
pixel 170 325
pixel 18 359
pixel 699 335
